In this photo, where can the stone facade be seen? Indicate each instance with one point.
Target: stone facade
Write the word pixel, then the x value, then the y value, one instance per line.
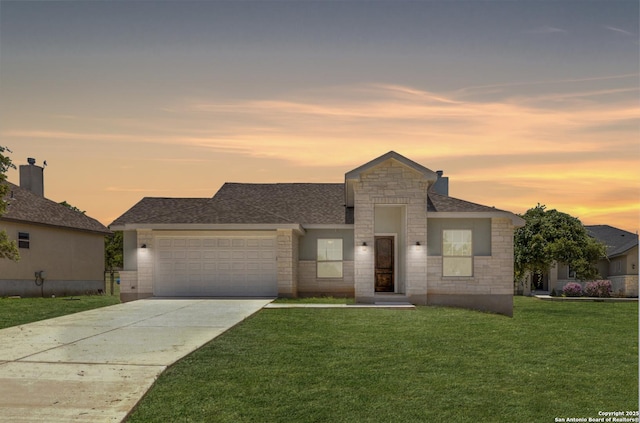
pixel 491 286
pixel 309 285
pixel 287 257
pixel 390 183
pixel 389 197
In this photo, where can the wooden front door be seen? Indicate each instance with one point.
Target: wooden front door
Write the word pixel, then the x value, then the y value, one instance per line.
pixel 384 264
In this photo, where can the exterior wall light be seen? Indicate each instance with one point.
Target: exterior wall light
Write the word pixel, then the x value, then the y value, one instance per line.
pixel 417 243
pixel 143 246
pixel 364 244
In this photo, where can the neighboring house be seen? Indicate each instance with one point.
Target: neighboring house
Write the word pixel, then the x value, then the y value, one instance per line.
pixel 620 266
pixel 389 233
pixel 61 250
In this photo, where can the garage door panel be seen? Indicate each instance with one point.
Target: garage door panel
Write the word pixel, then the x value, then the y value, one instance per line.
pixel 238 255
pixel 210 242
pixel 216 266
pixel 179 242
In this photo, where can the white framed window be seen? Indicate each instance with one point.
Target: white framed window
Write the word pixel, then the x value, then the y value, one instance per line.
pixel 457 252
pixel 329 258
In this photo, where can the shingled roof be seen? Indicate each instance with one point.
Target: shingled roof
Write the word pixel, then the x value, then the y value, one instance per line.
pixel 443 203
pixel 617 240
pixel 287 203
pixel 25 206
pixel 246 203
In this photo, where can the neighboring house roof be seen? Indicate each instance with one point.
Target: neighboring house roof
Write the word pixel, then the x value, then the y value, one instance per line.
pixel 292 203
pixel 25 206
pixel 617 240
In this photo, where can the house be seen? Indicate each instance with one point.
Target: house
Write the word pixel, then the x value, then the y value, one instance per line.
pixel 61 250
pixel 389 233
pixel 620 266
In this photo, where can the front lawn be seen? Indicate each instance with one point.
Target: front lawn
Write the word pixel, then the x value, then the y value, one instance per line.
pixel 18 311
pixel 553 359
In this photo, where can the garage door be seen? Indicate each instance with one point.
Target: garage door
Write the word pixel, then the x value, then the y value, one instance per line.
pixel 216 266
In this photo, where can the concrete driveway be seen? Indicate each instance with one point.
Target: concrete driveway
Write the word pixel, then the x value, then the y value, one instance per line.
pixel 96 365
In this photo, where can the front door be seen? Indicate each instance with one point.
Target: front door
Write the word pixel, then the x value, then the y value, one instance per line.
pixel 384 264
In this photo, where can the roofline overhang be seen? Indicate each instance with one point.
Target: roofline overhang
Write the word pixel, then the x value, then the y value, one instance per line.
pixel 207 226
pixel 517 221
pixel 48 225
pixel 329 226
pixel 623 252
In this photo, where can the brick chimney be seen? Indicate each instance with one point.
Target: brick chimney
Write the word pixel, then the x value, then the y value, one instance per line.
pixel 32 177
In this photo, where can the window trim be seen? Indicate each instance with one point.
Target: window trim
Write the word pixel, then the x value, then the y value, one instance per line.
pixel 470 256
pixel 24 240
pixel 319 261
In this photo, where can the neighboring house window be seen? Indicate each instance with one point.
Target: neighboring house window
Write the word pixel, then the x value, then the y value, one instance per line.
pixel 457 255
pixel 23 239
pixel 329 258
pixel 572 273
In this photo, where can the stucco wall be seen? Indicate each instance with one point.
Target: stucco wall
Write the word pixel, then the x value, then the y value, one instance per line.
pixel 73 261
pixel 308 247
pixel 481 234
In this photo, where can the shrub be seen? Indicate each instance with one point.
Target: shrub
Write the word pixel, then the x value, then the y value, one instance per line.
pixel 572 289
pixel 601 289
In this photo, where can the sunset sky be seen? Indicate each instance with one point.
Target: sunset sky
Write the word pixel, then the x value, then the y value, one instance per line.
pixel 519 102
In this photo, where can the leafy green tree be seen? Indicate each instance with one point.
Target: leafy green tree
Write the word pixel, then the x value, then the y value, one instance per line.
pixel 74 208
pixel 113 250
pixel 549 237
pixel 8 248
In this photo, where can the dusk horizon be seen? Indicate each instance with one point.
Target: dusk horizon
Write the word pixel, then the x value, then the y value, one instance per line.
pixel 519 103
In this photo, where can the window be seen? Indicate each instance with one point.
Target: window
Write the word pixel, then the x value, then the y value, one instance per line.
pixel 23 240
pixel 457 256
pixel 571 273
pixel 329 258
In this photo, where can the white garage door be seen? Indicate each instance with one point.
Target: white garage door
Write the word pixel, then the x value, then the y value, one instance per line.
pixel 216 266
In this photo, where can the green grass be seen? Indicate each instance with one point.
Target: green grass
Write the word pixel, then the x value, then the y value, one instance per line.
pixel 316 300
pixel 18 311
pixel 553 359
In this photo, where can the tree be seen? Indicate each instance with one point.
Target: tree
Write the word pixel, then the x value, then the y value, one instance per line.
pixel 74 208
pixel 113 250
pixel 8 248
pixel 550 237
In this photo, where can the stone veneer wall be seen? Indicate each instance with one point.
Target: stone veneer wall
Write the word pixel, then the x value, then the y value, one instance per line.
pixel 309 285
pixel 390 182
pixel 287 255
pixel 138 284
pixel 625 284
pixel 490 288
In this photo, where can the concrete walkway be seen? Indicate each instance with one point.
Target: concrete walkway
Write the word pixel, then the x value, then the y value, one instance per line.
pixel 96 365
